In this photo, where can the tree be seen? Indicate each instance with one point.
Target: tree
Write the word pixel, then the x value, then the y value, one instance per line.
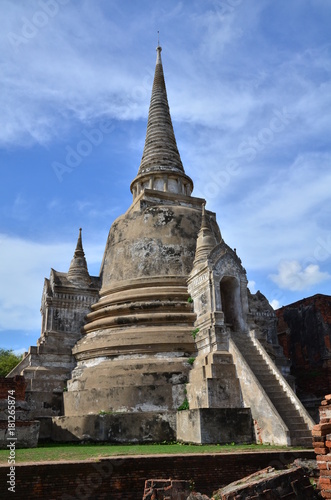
pixel 8 361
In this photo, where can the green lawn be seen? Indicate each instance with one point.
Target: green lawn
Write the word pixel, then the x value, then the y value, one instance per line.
pixel 53 451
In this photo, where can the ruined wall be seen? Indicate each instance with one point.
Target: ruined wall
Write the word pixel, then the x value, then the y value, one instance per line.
pixel 271 484
pixel 322 446
pixel 17 384
pixel 304 331
pixel 124 478
pixel 263 318
pixel 15 423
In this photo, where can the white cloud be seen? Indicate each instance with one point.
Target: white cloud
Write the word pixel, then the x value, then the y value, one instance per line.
pixel 252 286
pixel 21 208
pixel 23 266
pixel 43 87
pixel 292 276
pixel 278 214
pixel 117 78
pixel 275 304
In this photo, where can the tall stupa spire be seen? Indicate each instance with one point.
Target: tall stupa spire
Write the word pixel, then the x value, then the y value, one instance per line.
pixel 161 167
pixel 78 272
pixel 206 240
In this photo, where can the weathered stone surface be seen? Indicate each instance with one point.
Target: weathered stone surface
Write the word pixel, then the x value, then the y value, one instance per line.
pixel 213 382
pixel 270 484
pixel 322 447
pixel 137 339
pixel 264 317
pixel 215 425
pixel 304 332
pixel 197 496
pixel 16 383
pixel 16 428
pixel 26 434
pixel 139 427
pixel 162 489
pixel 157 239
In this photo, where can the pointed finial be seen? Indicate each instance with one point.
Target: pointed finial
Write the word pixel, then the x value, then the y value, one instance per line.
pixel 79 246
pixel 206 240
pixel 78 272
pixel 204 223
pixel 158 49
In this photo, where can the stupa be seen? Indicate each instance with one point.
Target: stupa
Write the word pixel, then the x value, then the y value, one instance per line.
pixel 174 346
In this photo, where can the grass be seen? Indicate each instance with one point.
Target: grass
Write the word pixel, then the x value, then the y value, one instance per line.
pixel 61 452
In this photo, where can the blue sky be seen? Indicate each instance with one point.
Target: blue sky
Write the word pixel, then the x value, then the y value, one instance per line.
pixel 249 90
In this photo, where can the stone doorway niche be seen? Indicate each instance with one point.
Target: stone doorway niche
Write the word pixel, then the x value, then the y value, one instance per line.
pixel 231 302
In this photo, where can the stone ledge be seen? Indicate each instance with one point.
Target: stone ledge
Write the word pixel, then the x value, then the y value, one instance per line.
pixel 134 427
pixel 26 434
pixel 215 426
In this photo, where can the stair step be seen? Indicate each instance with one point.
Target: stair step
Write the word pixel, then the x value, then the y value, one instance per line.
pixel 275 387
pixel 301 442
pixel 293 416
pixel 274 391
pixel 255 357
pixel 295 420
pixel 276 396
pixel 282 396
pixel 299 427
pixel 302 433
pixel 280 408
pixel 283 409
pixel 261 372
pixel 260 369
pixel 278 399
pixel 299 434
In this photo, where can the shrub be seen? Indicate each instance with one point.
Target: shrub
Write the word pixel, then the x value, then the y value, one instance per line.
pixel 194 333
pixel 184 406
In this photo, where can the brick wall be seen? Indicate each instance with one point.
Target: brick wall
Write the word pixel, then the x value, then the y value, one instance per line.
pixel 26 431
pixel 304 332
pixel 16 383
pixel 322 446
pixel 124 478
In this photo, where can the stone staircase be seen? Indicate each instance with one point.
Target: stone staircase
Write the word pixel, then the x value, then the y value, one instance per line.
pixel 45 373
pixel 300 433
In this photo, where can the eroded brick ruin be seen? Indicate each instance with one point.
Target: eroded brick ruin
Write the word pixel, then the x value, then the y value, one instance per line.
pixel 304 332
pixel 169 323
pixel 322 446
pixel 15 415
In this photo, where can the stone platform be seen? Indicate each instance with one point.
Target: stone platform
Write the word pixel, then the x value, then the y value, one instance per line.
pixel 215 426
pixel 134 427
